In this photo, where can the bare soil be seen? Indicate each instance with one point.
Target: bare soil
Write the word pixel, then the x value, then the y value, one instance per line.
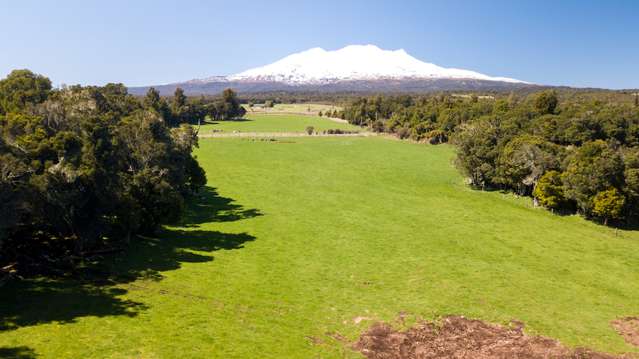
pixel 458 337
pixel 628 328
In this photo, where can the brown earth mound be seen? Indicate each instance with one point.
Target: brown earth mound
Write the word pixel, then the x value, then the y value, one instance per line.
pixel 628 328
pixel 458 337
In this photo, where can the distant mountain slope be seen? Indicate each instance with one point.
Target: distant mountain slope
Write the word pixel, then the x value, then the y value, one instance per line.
pixel 355 68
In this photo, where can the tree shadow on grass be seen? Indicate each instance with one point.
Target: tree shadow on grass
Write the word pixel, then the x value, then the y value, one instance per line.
pixel 21 352
pixel 31 302
pixel 238 119
pixel 148 257
pixel 98 289
pixel 209 206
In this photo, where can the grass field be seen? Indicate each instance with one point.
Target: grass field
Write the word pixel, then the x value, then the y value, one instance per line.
pixel 294 108
pixel 276 123
pixel 300 241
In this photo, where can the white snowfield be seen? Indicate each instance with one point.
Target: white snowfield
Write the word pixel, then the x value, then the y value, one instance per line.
pixel 351 63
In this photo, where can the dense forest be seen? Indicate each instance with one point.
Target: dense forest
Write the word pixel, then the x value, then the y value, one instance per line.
pixel 569 151
pixel 84 169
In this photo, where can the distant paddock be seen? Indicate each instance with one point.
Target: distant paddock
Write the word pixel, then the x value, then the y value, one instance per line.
pixel 283 134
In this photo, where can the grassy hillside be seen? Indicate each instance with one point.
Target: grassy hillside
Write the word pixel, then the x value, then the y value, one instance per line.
pixel 302 241
pixel 276 123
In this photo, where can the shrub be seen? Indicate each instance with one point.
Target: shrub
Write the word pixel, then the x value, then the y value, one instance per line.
pixel 310 130
pixel 378 126
pixel 608 204
pixel 436 137
pixel 549 191
pixel 403 132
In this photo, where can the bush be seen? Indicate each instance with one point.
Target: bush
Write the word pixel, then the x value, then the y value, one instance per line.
pixel 549 191
pixel 546 102
pixel 608 204
pixel 436 137
pixel 310 130
pixel 378 126
pixel 403 132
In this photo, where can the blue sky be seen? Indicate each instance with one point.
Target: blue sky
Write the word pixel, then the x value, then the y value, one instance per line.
pixel 577 43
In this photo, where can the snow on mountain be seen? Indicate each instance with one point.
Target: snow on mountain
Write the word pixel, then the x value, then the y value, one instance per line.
pixel 354 63
pixel 355 68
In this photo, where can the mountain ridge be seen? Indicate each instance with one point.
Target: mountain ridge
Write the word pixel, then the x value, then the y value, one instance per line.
pixel 355 63
pixel 353 68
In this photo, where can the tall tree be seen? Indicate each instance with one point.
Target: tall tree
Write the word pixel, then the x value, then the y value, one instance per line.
pixel 523 161
pixel 179 110
pixel 22 88
pixel 228 107
pixel 478 150
pixel 231 105
pixel 592 168
pixel 152 99
pixel 179 100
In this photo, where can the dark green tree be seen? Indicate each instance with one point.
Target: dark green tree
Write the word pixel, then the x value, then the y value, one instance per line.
pixel 592 168
pixel 152 100
pixel 228 107
pixel 478 151
pixel 179 109
pixel 523 161
pixel 22 88
pixel 84 166
pixel 231 105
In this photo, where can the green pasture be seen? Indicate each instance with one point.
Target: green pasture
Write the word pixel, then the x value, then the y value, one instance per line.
pixel 275 123
pixel 298 245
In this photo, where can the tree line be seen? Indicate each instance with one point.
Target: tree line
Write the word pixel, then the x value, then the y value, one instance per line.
pixel 84 168
pixel 570 154
pixel 180 109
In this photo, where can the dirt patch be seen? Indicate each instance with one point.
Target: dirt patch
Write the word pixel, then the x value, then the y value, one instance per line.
pixel 458 337
pixel 315 340
pixel 628 328
pixel 337 336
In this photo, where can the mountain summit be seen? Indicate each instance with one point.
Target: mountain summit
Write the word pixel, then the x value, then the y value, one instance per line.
pixel 354 68
pixel 354 63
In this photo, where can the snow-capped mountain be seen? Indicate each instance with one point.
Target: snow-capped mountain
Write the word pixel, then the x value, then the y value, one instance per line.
pixel 354 63
pixel 354 68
